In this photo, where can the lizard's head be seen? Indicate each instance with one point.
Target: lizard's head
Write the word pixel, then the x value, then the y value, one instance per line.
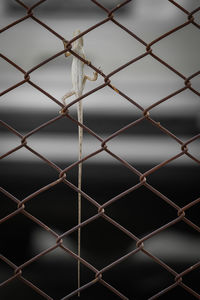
pixel 79 42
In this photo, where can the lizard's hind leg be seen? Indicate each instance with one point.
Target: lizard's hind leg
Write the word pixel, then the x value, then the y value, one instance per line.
pixel 67 95
pixel 94 78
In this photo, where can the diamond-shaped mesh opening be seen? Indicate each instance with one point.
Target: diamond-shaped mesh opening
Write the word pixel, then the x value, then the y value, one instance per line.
pixel 186 189
pixel 122 44
pixel 22 178
pixel 178 246
pixel 54 76
pixel 110 120
pixel 141 212
pixel 29 100
pixel 29 121
pixel 178 106
pixel 32 50
pixel 137 271
pixel 56 199
pixel 174 43
pixel 147 81
pixel 118 178
pixel 152 150
pixel 108 251
pixel 54 147
pixel 147 22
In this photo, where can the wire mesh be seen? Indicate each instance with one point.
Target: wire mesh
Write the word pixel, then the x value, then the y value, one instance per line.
pixel 103 147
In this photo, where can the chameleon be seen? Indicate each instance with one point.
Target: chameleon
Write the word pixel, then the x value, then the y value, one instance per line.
pixel 78 83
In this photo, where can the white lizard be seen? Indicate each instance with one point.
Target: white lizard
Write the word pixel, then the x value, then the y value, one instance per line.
pixel 78 82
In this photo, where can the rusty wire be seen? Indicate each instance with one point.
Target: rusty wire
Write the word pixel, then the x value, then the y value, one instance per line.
pixel 142 177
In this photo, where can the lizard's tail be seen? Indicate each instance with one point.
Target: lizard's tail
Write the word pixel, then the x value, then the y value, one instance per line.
pixel 80 138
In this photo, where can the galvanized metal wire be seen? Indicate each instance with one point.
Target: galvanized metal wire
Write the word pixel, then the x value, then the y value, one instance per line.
pixel 184 150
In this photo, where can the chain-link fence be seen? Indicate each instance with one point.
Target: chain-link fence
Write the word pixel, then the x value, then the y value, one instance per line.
pixel 100 211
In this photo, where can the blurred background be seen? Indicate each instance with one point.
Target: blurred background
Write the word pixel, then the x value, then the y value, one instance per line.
pixel 143 146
